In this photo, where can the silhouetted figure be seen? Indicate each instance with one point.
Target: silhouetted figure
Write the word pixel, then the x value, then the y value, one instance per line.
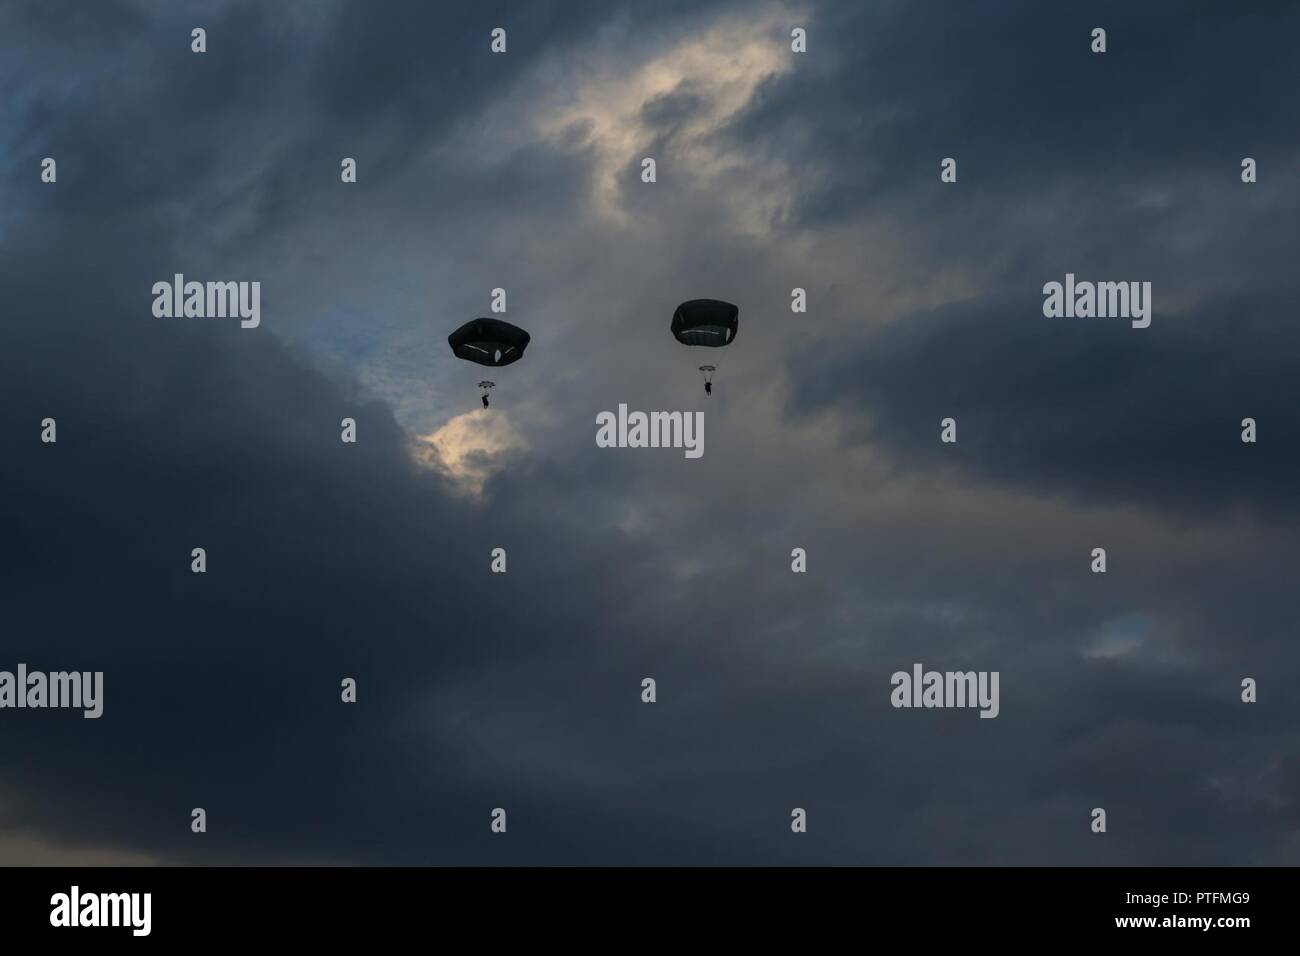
pixel 711 323
pixel 485 401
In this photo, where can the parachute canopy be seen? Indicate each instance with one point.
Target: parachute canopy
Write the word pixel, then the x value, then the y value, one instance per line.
pixel 705 322
pixel 489 342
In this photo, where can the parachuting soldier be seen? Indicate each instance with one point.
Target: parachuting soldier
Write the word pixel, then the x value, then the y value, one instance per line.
pixel 491 342
pixel 707 322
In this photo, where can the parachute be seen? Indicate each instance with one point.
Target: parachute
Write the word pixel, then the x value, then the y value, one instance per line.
pixel 707 322
pixel 491 342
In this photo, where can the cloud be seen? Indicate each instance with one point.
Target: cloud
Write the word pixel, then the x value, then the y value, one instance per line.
pixel 470 447
pixel 522 690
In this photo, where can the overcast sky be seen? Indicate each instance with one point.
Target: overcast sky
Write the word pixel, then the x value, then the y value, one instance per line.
pixel 523 691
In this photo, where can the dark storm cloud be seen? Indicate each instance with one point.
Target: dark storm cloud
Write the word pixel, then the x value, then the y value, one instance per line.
pixel 669 109
pixel 329 560
pixel 1013 91
pixel 290 89
pixel 1087 407
pixel 1122 166
pixel 323 564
